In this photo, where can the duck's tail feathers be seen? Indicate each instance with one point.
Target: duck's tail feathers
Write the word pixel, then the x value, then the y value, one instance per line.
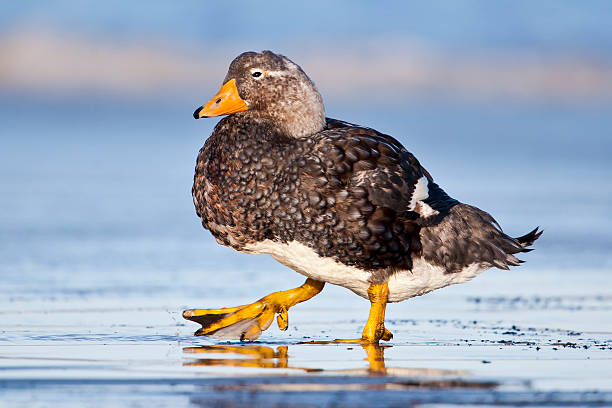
pixel 528 239
pixel 512 246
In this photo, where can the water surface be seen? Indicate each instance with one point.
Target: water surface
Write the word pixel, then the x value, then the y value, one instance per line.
pixel 100 251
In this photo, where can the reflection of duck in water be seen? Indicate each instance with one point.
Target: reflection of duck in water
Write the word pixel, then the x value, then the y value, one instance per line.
pixel 259 356
pixel 336 202
pixel 254 356
pixel 266 357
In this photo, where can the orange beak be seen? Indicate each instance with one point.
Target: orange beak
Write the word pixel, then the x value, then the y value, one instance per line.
pixel 225 102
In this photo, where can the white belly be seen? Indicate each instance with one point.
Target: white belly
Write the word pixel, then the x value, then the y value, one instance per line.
pixel 423 278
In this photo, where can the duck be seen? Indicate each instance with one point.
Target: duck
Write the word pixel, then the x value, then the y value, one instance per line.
pixel 336 202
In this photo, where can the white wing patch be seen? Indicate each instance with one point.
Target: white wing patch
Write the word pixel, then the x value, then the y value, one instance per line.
pixel 421 192
pixel 425 210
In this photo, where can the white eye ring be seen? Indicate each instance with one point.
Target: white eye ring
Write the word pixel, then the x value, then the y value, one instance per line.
pixel 257 73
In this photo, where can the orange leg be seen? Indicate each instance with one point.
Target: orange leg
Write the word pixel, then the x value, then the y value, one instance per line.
pixel 248 321
pixel 374 330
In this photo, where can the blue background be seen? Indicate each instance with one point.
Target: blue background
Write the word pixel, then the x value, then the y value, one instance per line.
pixel 506 103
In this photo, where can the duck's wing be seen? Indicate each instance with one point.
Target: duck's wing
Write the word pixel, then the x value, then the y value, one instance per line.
pixel 375 188
pixel 392 175
pixel 452 235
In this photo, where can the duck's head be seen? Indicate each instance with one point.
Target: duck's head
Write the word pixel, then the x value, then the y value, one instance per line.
pixel 272 87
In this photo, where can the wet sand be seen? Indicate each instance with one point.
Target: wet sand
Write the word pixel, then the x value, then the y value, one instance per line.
pixel 505 338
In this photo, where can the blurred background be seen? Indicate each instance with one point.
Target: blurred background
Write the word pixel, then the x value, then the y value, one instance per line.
pixel 508 104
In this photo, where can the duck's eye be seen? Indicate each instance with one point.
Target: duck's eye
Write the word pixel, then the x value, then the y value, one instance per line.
pixel 256 74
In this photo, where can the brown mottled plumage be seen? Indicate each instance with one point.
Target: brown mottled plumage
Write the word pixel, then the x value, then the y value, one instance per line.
pixel 280 174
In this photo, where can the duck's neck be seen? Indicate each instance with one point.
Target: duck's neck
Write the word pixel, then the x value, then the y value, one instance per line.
pixel 302 118
pixel 296 118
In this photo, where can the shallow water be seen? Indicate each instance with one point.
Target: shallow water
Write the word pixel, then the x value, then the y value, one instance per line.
pixel 470 344
pixel 100 251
